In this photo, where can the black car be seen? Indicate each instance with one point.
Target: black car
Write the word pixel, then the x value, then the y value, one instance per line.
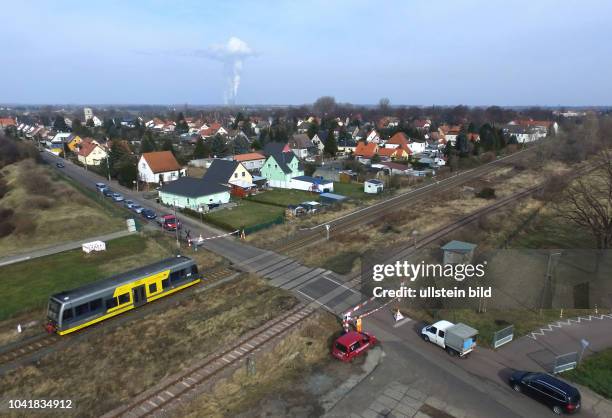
pixel 59 165
pixel 148 214
pixel 557 394
pixel 108 192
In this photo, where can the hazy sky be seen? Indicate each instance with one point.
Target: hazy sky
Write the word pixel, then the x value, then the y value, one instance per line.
pixel 548 52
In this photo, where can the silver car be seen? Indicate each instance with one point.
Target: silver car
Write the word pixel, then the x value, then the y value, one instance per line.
pixel 137 208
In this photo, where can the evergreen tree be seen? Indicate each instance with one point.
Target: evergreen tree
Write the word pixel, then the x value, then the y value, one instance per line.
pixel 147 144
pixel 331 146
pixel 200 150
pixel 168 146
pixel 217 145
pixel 59 124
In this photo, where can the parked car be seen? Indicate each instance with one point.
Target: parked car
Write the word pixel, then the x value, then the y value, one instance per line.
pixel 59 165
pixel 352 344
pixel 457 340
pixel 101 186
pixel 169 222
pixel 108 192
pixel 557 394
pixel 128 203
pixel 137 208
pixel 148 214
pixel 118 197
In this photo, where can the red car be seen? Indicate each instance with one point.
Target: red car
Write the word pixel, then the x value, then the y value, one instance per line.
pixel 169 222
pixel 352 344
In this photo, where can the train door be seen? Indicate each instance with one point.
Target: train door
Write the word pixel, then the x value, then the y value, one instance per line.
pixel 139 295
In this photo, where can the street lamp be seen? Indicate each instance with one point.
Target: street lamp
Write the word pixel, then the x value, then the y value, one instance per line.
pixel 108 169
pixel 178 244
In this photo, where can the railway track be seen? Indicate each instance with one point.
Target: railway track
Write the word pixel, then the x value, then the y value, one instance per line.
pixel 156 401
pixel 367 214
pixel 20 352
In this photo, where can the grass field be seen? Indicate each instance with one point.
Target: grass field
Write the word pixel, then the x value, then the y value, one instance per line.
pixel 281 377
pixel 109 368
pixel 352 190
pixel 284 197
pixel 245 214
pixel 49 210
pixel 595 372
pixel 27 285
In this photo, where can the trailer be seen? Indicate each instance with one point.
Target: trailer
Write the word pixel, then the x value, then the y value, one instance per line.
pixel 456 339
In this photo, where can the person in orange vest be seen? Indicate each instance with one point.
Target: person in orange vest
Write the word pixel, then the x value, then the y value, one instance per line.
pixel 358 325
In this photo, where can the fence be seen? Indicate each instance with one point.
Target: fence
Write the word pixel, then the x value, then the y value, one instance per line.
pixel 258 227
pixel 565 362
pixel 503 336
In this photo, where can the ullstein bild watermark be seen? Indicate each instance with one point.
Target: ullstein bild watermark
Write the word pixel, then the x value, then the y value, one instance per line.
pixel 406 271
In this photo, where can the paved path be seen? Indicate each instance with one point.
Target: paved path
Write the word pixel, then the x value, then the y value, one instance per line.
pixel 60 248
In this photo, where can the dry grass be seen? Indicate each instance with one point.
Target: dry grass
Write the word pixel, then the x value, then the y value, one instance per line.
pixel 50 211
pixel 109 368
pixel 278 373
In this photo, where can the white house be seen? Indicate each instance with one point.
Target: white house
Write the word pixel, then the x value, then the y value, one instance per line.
pixel 373 186
pixel 417 147
pixel 91 153
pixel 311 184
pixel 159 166
pixel 373 136
pixel 251 161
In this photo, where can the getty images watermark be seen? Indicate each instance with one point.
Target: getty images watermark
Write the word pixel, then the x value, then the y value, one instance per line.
pixel 411 272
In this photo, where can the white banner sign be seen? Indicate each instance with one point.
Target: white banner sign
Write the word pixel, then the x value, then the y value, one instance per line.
pixel 94 246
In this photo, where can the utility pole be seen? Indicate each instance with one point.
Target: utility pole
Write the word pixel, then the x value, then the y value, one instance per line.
pixel 552 261
pixel 108 169
pixel 178 243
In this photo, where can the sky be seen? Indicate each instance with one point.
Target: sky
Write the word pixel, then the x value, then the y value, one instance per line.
pixel 445 52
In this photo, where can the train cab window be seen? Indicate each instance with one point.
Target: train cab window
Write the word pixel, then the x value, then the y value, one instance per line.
pixel 95 305
pixel 111 303
pixel 176 276
pixel 153 288
pixel 67 314
pixel 125 298
pixel 165 283
pixel 186 273
pixel 194 269
pixel 81 309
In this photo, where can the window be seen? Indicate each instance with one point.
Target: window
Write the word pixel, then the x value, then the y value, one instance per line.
pixel 235 175
pixel 355 346
pixel 111 303
pixel 176 276
pixel 153 288
pixel 67 314
pixel 243 173
pixel 94 305
pixel 340 347
pixel 441 333
pixel 433 330
pixel 194 269
pixel 125 298
pixel 165 283
pixel 81 309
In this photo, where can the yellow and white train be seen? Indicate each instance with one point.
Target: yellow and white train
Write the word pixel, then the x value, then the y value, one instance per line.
pixel 72 310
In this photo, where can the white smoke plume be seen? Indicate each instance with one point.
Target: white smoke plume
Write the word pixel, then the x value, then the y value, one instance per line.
pixel 232 54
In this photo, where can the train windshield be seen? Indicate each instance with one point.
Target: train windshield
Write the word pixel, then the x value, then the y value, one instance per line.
pixel 54 308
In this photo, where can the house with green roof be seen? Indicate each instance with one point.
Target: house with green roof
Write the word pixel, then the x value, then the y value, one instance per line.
pixel 280 168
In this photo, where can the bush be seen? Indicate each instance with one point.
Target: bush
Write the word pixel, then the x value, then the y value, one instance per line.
pixel 486 193
pixel 6 228
pixel 39 202
pixel 24 225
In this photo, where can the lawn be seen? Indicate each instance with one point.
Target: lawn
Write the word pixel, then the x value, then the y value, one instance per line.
pixel 352 190
pixel 595 373
pixel 107 369
pixel 49 210
pixel 284 197
pixel 27 285
pixel 245 214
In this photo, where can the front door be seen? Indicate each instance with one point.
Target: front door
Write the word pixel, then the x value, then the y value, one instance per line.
pixel 139 295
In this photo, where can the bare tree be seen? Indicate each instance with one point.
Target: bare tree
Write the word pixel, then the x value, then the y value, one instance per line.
pixel 383 104
pixel 589 204
pixel 324 105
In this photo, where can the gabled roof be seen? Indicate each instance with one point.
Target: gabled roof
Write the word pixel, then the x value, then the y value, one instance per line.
pixel 313 180
pixel 220 171
pixel 87 148
pixel 391 152
pixel 283 159
pixel 300 141
pixel 400 138
pixel 193 187
pixel 249 157
pixel 395 166
pixel 366 150
pixel 276 148
pixel 161 161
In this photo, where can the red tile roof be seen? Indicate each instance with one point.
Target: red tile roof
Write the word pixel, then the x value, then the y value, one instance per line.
pixel 7 122
pixel 161 161
pixel 366 150
pixel 86 148
pixel 249 157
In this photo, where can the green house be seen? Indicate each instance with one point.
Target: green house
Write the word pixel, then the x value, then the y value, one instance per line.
pixel 280 168
pixel 193 193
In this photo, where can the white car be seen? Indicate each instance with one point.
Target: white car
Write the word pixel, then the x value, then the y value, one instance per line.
pixel 456 339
